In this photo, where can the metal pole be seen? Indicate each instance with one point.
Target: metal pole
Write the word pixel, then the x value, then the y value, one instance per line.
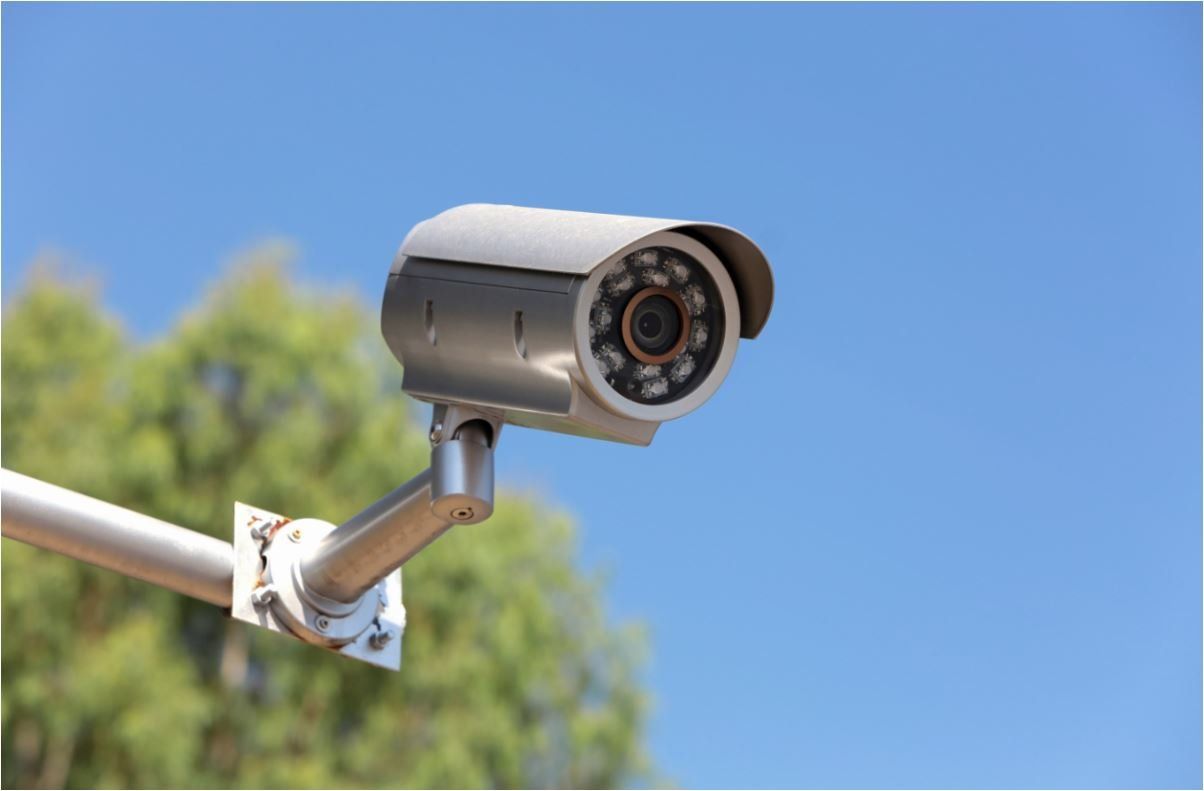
pixel 363 550
pixel 116 538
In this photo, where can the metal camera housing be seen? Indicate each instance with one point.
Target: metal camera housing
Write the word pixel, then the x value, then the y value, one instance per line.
pixel 499 308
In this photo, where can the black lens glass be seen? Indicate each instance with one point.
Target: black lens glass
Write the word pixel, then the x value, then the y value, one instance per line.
pixel 655 325
pixel 650 325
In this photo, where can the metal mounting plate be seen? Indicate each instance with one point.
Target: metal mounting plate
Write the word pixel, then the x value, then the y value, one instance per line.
pixel 248 571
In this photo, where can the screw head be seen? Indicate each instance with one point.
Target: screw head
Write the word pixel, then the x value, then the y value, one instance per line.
pixel 322 623
pixel 263 595
pixel 436 433
pixel 462 513
pixel 295 534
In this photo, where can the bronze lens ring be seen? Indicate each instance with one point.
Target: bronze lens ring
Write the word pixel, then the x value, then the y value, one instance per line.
pixel 632 314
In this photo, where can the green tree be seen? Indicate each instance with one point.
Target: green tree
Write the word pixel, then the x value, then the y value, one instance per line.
pixel 281 397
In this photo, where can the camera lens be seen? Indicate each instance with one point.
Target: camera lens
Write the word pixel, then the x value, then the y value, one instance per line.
pixel 655 325
pixel 649 326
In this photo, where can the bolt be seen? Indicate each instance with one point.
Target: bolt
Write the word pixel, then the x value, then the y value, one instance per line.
pixel 295 535
pixel 322 623
pixel 262 596
pixel 462 513
pixel 436 433
pixel 381 638
pixel 261 529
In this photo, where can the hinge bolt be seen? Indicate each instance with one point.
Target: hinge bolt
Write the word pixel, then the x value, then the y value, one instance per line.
pixel 262 596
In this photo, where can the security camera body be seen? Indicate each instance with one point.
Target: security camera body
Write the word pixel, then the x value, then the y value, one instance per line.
pixel 591 324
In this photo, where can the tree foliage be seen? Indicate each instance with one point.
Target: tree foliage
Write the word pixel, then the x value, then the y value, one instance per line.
pixel 280 397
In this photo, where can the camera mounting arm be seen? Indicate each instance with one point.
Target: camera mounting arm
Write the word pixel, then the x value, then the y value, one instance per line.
pixel 457 489
pixel 336 587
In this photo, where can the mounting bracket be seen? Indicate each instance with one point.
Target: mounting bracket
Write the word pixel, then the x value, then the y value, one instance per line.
pixel 270 592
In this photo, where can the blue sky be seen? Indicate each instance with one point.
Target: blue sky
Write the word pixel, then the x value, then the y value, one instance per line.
pixel 942 525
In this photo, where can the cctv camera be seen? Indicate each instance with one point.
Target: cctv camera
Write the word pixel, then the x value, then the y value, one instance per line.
pixel 592 324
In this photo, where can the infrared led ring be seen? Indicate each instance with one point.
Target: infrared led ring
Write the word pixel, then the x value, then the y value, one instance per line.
pixel 656 324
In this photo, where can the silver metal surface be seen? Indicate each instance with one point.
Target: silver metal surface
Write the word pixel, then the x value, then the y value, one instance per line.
pixel 457 489
pixel 462 476
pixel 349 561
pixel 476 357
pixel 116 538
pixel 456 416
pixel 350 629
pixel 573 243
pixel 480 357
pixel 309 615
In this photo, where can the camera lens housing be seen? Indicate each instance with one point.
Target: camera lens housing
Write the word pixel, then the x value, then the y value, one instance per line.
pixel 660 328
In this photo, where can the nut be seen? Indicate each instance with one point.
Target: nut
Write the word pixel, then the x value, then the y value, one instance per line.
pixel 295 535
